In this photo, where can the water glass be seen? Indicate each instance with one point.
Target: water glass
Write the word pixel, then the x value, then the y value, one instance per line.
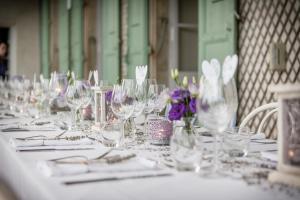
pixel 236 141
pixel 183 150
pixel 112 135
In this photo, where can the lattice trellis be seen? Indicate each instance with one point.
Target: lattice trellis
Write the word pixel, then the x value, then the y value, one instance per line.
pixel 264 22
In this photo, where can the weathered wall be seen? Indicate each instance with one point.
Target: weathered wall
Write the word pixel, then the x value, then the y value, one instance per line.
pixel 23 19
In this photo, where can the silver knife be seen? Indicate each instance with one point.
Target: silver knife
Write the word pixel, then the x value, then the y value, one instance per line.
pixel 24 129
pixel 73 182
pixel 55 149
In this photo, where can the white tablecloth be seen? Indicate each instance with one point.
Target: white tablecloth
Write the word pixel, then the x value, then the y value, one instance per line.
pixel 19 170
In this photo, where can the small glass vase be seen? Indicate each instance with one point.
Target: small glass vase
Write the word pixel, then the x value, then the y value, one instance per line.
pixel 183 147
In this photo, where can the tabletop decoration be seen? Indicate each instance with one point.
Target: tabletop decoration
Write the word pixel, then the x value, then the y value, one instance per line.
pixel 183 100
pixel 160 130
pixel 288 134
pixel 103 112
pixel 183 108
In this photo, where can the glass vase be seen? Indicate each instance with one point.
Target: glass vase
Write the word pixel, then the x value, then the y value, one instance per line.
pixel 183 147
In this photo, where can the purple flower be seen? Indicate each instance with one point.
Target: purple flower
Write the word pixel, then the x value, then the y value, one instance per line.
pixel 192 105
pixel 186 93
pixel 108 96
pixel 177 111
pixel 180 94
pixel 176 95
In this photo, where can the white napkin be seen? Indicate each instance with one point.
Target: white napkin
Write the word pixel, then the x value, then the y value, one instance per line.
pixel 96 79
pixel 211 72
pixel 258 136
pixel 50 168
pixel 229 67
pixel 15 143
pixel 272 156
pixel 140 74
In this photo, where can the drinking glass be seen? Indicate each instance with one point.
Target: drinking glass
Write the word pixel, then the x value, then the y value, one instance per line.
pixel 21 86
pixel 123 101
pixel 157 92
pixel 149 89
pixel 78 94
pixel 236 141
pixel 58 85
pixel 215 111
pixel 140 104
pixel 112 135
pixel 232 96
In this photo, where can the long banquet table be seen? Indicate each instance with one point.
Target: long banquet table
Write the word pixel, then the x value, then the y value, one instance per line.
pixel 18 169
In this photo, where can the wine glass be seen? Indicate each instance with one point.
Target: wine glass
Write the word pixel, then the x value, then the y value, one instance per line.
pixel 78 94
pixel 58 85
pixel 123 101
pixel 215 110
pixel 156 97
pixel 21 86
pixel 141 100
pixel 149 102
pixel 231 94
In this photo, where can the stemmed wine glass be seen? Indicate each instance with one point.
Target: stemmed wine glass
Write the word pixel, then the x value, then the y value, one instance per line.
pixel 78 94
pixel 123 102
pixel 232 96
pixel 149 102
pixel 215 109
pixel 58 85
pixel 156 90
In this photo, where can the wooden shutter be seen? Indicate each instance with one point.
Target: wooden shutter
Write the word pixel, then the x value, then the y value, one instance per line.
pixel 137 35
pixel 45 62
pixel 217 29
pixel 63 36
pixel 76 34
pixel 110 29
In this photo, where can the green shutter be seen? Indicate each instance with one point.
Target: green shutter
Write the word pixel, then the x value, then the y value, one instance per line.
pixel 63 36
pixel 110 29
pixel 45 63
pixel 76 38
pixel 217 29
pixel 137 35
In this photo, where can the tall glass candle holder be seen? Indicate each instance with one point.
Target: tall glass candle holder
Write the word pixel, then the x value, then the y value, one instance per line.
pixel 103 113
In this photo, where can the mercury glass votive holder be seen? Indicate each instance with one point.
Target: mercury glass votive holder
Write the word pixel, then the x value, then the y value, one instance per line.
pixel 159 130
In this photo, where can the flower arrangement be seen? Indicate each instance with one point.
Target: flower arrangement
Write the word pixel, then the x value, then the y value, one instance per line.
pixel 183 99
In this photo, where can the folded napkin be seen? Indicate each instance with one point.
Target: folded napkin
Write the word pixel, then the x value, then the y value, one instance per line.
pixel 17 143
pixel 271 156
pixel 258 136
pixel 52 168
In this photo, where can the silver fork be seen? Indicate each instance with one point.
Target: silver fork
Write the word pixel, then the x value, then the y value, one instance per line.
pixel 41 137
pixel 86 159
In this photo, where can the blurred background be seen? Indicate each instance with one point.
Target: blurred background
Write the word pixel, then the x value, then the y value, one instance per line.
pixel 114 36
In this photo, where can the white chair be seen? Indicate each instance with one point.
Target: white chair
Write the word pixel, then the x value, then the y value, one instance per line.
pixel 273 107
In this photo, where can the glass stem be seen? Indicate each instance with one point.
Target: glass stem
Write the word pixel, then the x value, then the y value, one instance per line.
pixel 74 118
pixel 123 132
pixel 217 146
